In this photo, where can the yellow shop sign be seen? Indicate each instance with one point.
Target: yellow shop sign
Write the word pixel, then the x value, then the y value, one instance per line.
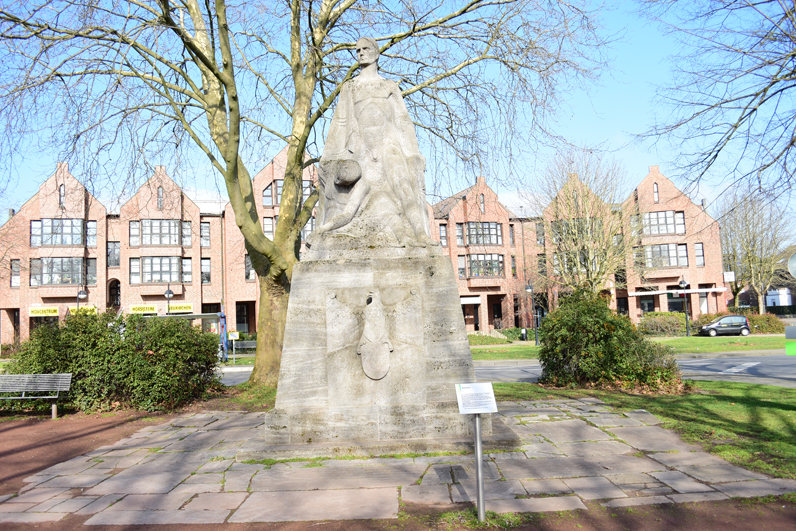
pixel 143 308
pixel 83 309
pixel 181 308
pixel 44 311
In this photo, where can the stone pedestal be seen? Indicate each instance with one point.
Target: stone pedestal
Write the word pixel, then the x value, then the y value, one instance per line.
pixel 373 348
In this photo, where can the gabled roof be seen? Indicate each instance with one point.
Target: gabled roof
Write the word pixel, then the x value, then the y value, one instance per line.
pixel 443 208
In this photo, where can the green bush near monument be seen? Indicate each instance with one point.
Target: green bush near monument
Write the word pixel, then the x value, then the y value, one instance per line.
pixel 150 364
pixel 585 343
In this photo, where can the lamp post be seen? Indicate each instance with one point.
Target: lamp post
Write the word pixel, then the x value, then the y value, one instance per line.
pixel 81 294
pixel 683 285
pixel 169 294
pixel 529 289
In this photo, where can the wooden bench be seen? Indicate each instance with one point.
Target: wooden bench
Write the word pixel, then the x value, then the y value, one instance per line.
pixel 22 384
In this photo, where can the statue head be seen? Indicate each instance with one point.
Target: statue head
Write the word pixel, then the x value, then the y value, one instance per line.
pixel 367 51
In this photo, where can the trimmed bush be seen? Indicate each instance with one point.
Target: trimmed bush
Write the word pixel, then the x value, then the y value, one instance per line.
pixel 151 364
pixel 663 324
pixel 512 334
pixel 477 339
pixel 585 343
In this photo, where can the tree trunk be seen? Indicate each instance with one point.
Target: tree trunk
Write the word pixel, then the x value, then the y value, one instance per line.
pixel 270 330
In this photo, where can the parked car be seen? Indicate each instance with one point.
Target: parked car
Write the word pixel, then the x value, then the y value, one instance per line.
pixel 729 324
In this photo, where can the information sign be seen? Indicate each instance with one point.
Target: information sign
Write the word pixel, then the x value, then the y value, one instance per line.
pixel 181 308
pixel 143 308
pixel 476 398
pixel 233 335
pixel 44 311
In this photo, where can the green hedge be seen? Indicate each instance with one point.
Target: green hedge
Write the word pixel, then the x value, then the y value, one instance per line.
pixel 663 324
pixel 585 343
pixel 150 364
pixel 512 334
pixel 477 339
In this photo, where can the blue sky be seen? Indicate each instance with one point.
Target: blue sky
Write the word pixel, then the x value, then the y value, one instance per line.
pixel 609 114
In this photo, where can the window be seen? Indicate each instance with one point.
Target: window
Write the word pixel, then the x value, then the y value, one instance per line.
pixel 204 235
pixel 647 303
pixel 205 271
pixel 135 270
pixel 655 196
pixel 460 234
pixel 242 317
pixel 268 197
pixel 307 230
pixel 443 235
pixel 306 190
pixel 666 255
pixel 58 271
pixel 479 233
pixel 135 233
pixel 186 233
pixel 114 254
pixel 187 273
pixel 91 233
pixel 462 267
pixel 541 261
pixel 115 293
pixel 486 265
pixel 514 266
pixel 160 269
pixel 62 196
pixel 15 273
pixel 667 222
pixel 249 270
pixel 160 231
pixel 700 254
pixel 35 233
pixel 268 228
pixel 481 203
pixel 540 234
pixel 511 235
pixel 160 198
pixel 91 271
pixel 279 183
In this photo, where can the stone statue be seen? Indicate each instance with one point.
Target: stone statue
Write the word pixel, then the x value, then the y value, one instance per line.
pixel 371 172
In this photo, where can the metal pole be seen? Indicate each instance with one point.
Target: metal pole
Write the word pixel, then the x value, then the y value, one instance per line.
pixel 687 326
pixel 479 468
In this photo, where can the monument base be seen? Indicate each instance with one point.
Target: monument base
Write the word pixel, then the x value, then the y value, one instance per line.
pixel 501 439
pixel 373 350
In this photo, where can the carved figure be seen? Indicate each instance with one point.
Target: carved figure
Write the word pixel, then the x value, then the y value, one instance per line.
pixel 371 166
pixel 375 346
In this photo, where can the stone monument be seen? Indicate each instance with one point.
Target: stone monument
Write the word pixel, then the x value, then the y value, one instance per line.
pixel 374 339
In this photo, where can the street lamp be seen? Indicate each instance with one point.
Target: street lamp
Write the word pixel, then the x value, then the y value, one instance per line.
pixel 529 289
pixel 169 294
pixel 683 285
pixel 82 294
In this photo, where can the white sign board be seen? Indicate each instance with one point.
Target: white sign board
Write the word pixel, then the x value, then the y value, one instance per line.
pixel 233 335
pixel 729 276
pixel 476 398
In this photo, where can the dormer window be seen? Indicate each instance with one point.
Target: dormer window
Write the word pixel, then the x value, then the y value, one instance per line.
pixel 655 192
pixel 160 198
pixel 62 196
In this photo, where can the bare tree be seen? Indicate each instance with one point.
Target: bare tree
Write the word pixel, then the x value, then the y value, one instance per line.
pixel 114 84
pixel 754 234
pixel 588 237
pixel 733 90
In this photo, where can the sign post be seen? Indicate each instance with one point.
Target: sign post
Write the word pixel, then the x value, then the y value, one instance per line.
pixel 474 399
pixel 233 336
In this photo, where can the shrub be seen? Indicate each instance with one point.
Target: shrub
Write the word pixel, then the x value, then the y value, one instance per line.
pixel 477 339
pixel 513 334
pixel 584 342
pixel 663 324
pixel 151 364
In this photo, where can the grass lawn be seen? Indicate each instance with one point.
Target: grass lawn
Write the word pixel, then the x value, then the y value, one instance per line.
pixel 753 426
pixel 507 352
pixel 239 360
pixel 704 344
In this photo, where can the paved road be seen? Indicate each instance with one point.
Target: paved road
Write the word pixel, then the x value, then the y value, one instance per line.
pixel 770 370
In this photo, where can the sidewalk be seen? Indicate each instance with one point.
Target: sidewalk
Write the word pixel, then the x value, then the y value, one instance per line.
pixel 184 472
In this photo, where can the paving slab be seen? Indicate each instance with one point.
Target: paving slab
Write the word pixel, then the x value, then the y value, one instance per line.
pixel 680 482
pixel 541 450
pixel 595 448
pixel 493 490
pixel 644 416
pixel 157 517
pixel 678 459
pixel 219 501
pixel 198 488
pixel 546 486
pixel 151 502
pixel 629 502
pixel 30 518
pixel 215 477
pixel 766 487
pixel 721 473
pixel 536 505
pixel 564 467
pixel 44 507
pixel 4 497
pixel 426 493
pixel 37 495
pixel 466 471
pixel 73 505
pixel 613 420
pixel 508 455
pixel 697 497
pixel 344 504
pixel 569 431
pixel 16 507
pixel 336 478
pixel 132 481
pixel 75 481
pixel 100 504
pixel 437 474
pixel 215 466
pixel 594 488
pixel 237 480
pixel 193 422
pixel 652 439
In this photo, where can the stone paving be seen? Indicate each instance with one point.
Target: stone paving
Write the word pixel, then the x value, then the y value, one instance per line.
pixel 184 472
